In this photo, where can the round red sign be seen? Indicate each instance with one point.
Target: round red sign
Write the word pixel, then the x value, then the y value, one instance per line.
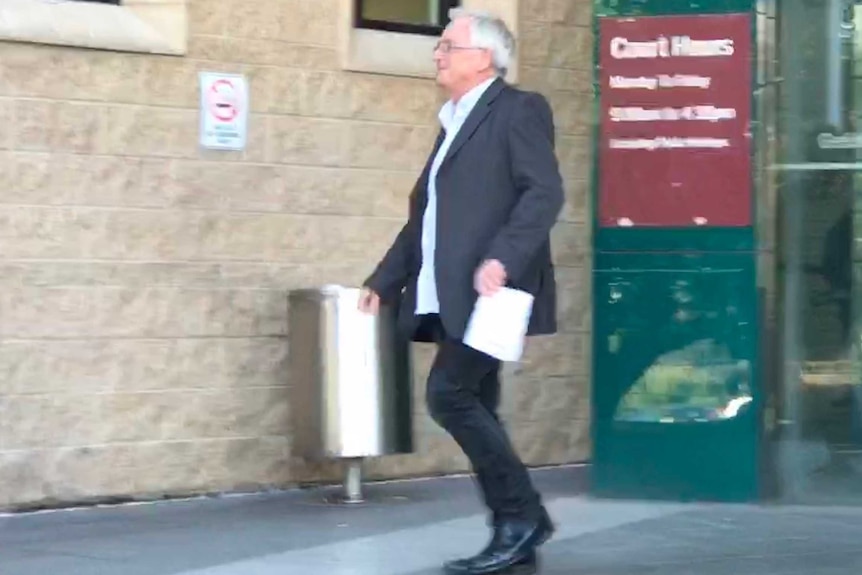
pixel 223 100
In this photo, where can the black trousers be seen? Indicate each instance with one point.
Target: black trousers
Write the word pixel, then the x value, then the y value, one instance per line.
pixel 463 395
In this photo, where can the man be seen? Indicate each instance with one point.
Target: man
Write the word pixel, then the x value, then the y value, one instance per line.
pixel 480 219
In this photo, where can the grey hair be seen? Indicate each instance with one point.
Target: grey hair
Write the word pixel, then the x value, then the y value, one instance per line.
pixel 491 33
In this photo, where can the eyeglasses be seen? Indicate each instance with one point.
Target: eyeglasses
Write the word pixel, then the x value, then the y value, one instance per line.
pixel 446 47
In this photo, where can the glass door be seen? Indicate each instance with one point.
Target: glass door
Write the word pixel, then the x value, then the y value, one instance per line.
pixel 819 241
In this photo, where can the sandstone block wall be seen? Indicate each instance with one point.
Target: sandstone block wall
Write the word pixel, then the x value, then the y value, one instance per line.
pixel 143 281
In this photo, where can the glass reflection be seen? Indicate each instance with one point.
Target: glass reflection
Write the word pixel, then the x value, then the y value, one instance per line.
pixel 820 197
pixel 700 382
pixel 680 345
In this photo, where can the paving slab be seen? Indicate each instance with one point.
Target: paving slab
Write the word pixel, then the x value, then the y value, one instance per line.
pixel 410 528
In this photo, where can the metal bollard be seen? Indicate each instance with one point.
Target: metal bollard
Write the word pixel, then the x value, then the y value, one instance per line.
pixel 353 481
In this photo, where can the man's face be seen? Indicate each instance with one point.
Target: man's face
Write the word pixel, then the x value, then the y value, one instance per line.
pixel 458 63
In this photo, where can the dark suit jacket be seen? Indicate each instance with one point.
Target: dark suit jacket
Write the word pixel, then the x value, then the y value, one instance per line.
pixel 499 193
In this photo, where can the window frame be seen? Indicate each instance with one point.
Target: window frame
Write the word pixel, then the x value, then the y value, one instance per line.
pixel 402 27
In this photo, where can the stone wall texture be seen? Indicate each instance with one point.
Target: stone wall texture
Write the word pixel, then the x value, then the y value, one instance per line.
pixel 143 281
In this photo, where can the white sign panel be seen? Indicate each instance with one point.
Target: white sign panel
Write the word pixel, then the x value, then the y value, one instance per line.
pixel 224 111
pixel 828 141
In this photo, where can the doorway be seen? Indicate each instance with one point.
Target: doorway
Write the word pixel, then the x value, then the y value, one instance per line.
pixel 819 236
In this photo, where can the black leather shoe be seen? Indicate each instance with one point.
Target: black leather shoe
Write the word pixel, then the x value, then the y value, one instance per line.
pixel 547 527
pixel 512 549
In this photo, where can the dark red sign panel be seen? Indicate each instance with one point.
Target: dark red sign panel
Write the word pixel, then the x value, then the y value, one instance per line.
pixel 675 148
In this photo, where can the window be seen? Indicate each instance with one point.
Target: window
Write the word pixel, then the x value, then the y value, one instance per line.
pixel 397 37
pixel 427 17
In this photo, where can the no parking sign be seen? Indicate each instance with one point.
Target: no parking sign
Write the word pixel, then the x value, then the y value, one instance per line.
pixel 224 111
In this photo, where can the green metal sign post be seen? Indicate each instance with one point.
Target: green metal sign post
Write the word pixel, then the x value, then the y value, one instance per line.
pixel 677 393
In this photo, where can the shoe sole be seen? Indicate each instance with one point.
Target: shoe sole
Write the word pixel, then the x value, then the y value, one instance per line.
pixel 515 569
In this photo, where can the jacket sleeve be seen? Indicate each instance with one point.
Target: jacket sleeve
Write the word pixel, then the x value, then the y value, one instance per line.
pixel 391 274
pixel 537 178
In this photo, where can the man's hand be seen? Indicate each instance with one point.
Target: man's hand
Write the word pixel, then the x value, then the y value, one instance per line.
pixel 489 278
pixel 369 302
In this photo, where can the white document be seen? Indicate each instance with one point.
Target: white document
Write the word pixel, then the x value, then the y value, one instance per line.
pixel 498 324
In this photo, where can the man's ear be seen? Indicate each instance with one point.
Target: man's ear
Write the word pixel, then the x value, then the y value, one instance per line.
pixel 489 60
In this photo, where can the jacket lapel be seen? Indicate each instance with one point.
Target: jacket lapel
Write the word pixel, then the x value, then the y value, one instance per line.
pixel 474 120
pixel 437 143
pixel 423 180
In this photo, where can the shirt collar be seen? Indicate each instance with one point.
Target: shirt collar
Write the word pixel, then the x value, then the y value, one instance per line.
pixel 450 112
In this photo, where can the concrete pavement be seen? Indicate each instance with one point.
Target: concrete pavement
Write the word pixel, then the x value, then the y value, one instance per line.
pixel 409 528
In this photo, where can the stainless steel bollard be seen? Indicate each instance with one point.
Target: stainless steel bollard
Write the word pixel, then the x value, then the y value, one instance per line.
pixel 353 481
